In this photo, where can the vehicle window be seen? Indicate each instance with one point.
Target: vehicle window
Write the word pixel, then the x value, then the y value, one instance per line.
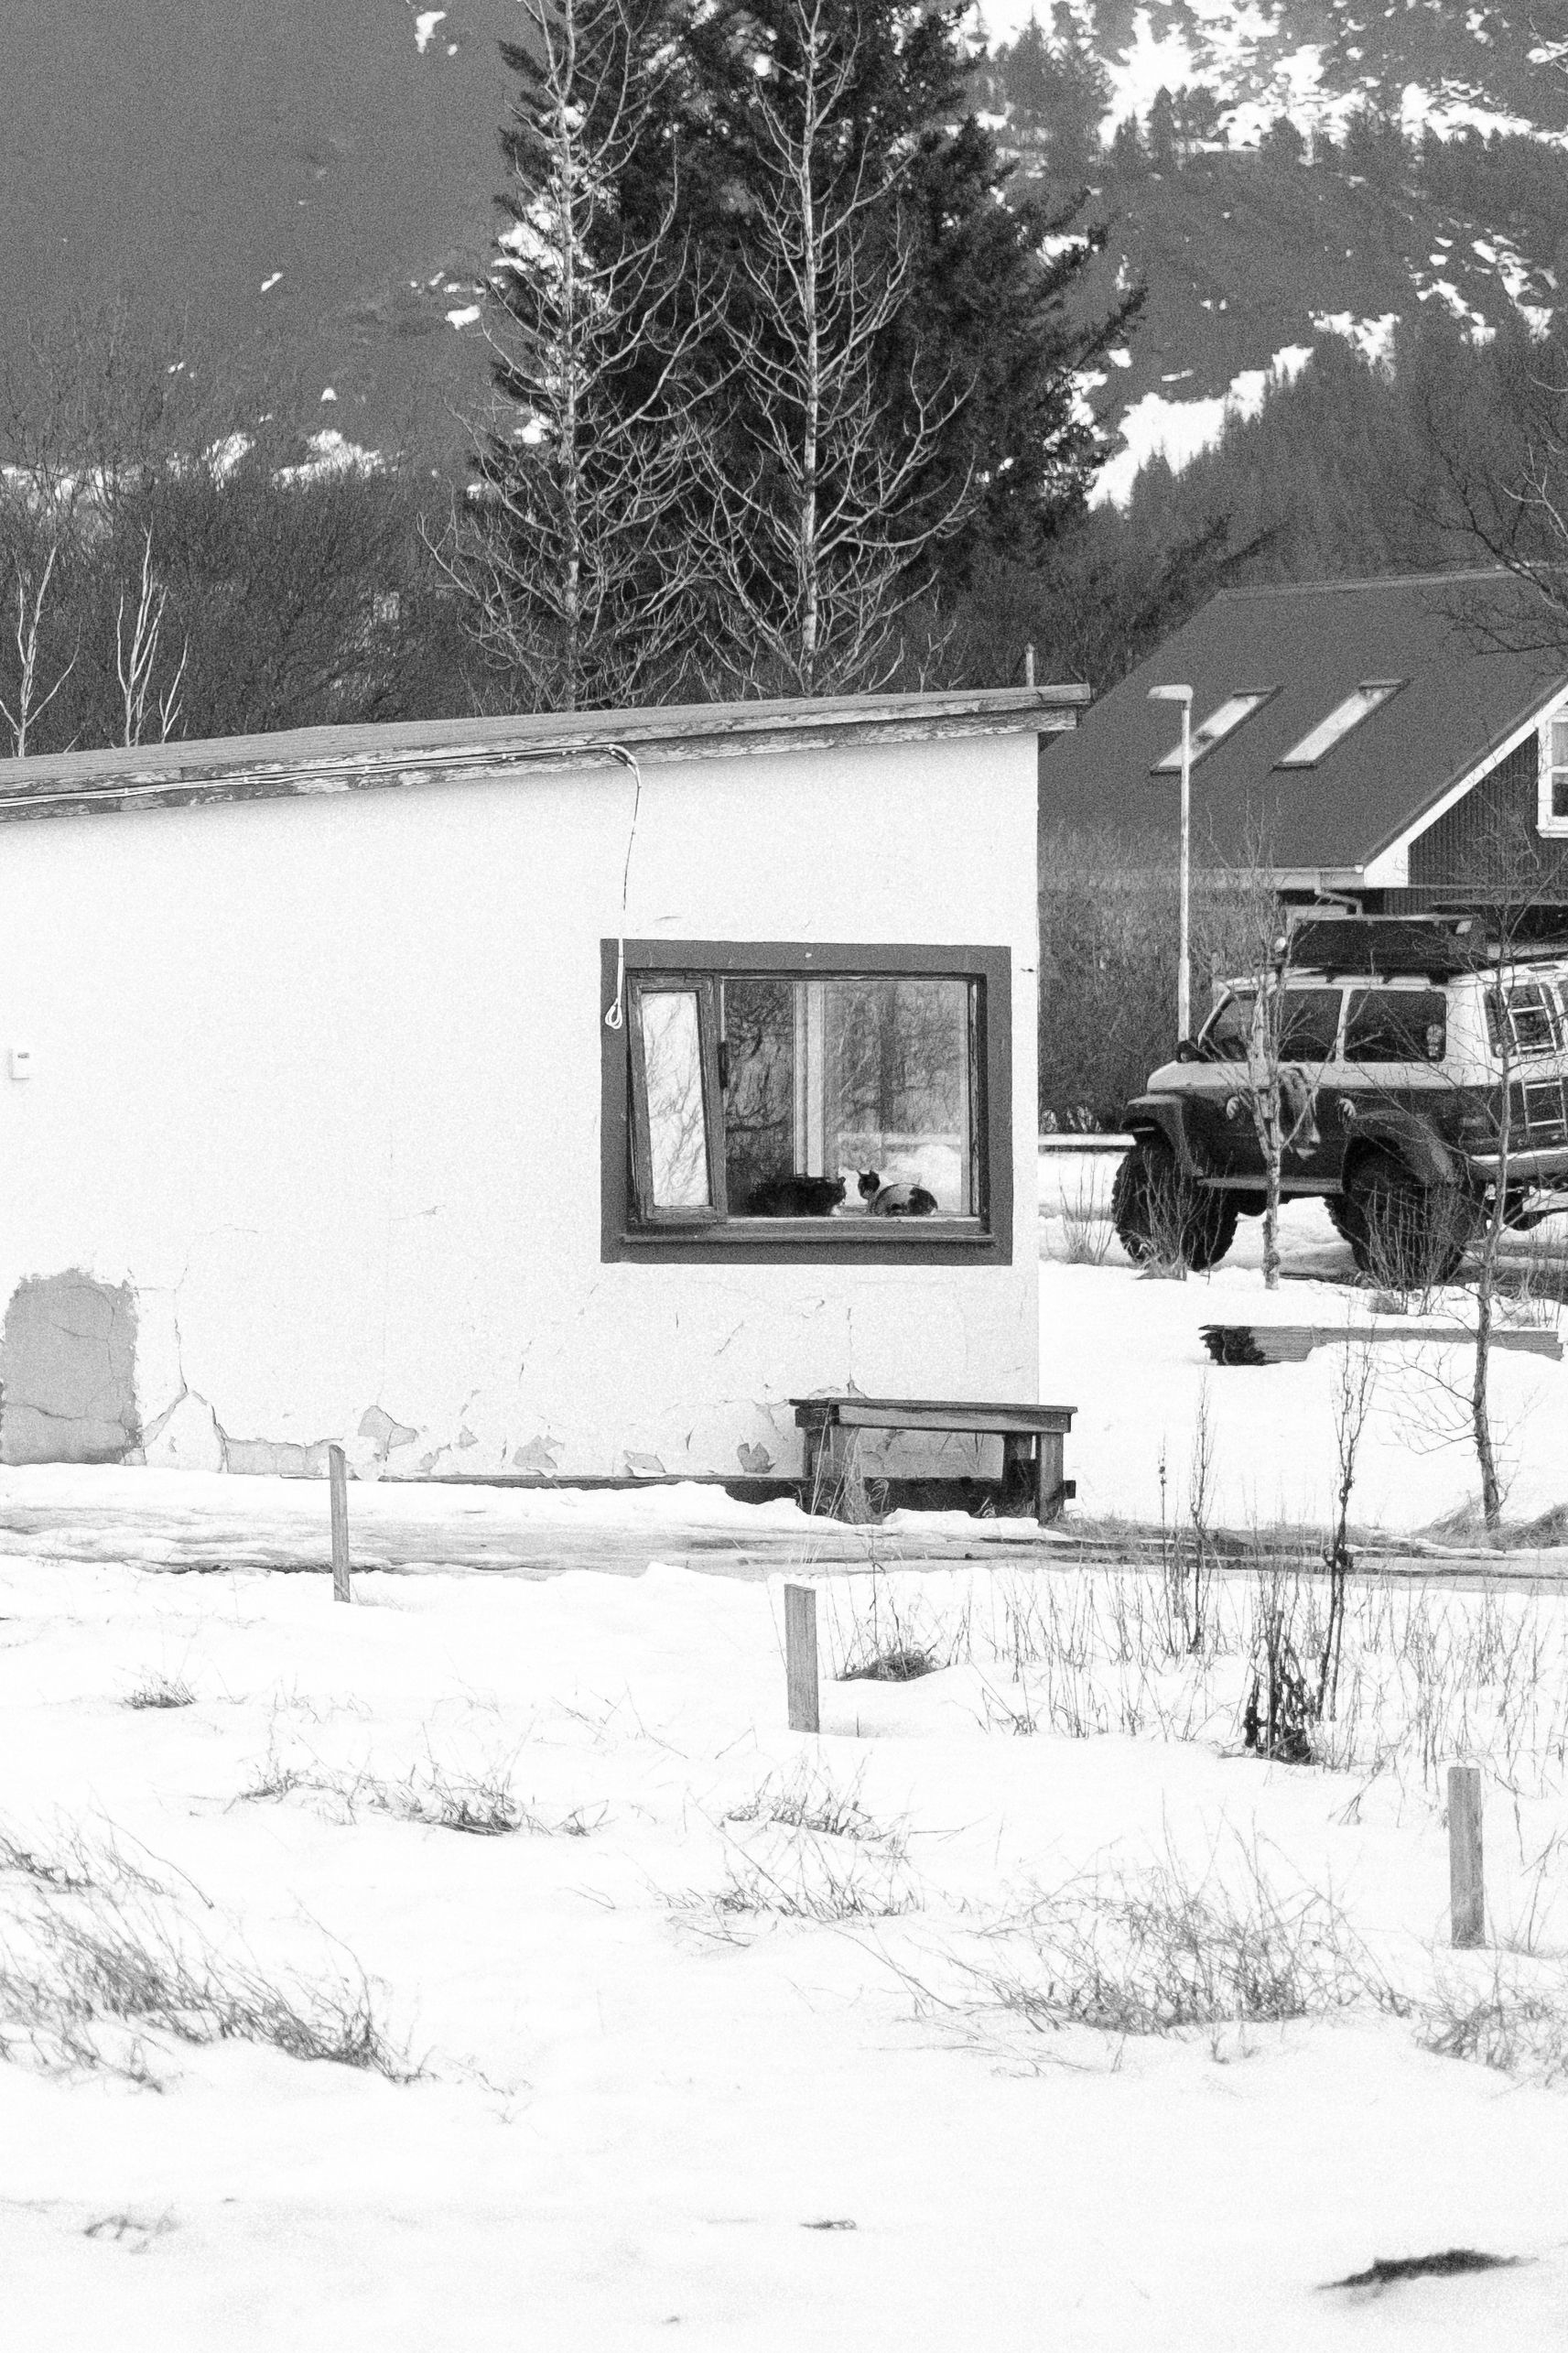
pixel 1229 1028
pixel 1396 1025
pixel 1534 1020
pixel 1309 1027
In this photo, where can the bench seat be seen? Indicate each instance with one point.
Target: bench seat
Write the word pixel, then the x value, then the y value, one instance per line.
pixel 1031 1436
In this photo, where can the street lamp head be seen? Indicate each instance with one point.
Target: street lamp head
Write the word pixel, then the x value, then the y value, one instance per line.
pixel 1170 694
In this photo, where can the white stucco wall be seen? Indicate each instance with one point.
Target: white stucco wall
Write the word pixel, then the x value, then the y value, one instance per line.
pixel 317 1079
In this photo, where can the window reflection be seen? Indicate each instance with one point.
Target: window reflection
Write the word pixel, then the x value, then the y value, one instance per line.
pixel 672 1063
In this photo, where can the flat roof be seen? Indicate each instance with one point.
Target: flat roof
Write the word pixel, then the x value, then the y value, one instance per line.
pixel 362 758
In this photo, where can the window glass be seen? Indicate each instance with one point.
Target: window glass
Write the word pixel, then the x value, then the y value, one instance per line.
pixel 1367 699
pixel 1534 1024
pixel 837 1080
pixel 756 1062
pixel 672 1065
pixel 1229 1029
pixel 1214 729
pixel 1557 766
pixel 895 1085
pixel 842 1097
pixel 1396 1025
pixel 1309 1028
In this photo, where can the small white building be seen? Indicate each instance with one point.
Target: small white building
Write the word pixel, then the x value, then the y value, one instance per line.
pixel 453 1091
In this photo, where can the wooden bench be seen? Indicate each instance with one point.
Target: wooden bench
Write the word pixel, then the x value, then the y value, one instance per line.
pixel 1032 1438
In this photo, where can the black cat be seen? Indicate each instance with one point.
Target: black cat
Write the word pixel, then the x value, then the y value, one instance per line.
pixel 899 1198
pixel 795 1197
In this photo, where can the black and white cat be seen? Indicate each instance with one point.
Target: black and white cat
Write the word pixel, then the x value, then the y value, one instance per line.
pixel 899 1198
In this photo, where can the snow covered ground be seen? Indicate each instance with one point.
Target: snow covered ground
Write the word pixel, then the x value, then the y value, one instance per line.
pixel 1126 1349
pixel 734 2037
pixel 689 2071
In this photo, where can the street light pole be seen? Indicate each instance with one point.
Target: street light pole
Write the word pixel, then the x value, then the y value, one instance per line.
pixel 1183 695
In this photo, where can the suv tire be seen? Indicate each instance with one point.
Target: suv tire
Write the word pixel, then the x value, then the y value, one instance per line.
pixel 1403 1233
pixel 1161 1214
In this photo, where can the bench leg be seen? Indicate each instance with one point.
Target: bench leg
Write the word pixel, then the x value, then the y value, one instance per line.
pixel 1017 1472
pixel 821 1467
pixel 1048 1477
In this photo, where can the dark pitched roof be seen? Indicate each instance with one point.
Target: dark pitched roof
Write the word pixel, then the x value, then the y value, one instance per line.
pixel 1466 643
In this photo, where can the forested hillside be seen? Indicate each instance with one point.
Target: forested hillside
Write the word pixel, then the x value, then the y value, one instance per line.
pixel 1301 299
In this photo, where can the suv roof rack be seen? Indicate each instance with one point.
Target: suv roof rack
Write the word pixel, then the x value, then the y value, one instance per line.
pixel 1386 947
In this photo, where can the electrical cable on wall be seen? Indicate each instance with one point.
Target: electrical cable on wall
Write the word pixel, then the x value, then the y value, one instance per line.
pixel 615 1015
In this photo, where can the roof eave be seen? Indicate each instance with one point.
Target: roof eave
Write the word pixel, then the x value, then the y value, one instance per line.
pixel 195 775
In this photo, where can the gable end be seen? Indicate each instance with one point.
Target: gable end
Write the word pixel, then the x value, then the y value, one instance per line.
pixel 1461 849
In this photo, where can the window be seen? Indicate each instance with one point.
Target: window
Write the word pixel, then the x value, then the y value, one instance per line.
pixel 1396 1025
pixel 1368 697
pixel 1216 728
pixel 1553 808
pixel 1309 1026
pixel 1534 1022
pixel 778 1101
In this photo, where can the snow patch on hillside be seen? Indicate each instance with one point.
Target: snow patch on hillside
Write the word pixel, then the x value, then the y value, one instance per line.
pixel 1180 430
pixel 1373 338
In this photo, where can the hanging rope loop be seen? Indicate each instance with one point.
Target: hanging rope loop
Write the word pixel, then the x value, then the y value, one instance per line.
pixel 615 1015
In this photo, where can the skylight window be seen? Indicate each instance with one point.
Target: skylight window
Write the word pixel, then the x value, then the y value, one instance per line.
pixel 1368 697
pixel 1216 728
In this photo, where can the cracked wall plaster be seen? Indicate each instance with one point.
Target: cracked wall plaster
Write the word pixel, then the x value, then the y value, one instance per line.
pixel 68 1353
pixel 186 1437
pixel 276 1458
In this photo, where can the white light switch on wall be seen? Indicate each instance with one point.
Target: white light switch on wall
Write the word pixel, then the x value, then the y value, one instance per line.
pixel 21 1062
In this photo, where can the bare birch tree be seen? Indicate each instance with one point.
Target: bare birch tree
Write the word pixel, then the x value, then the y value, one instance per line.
pixel 1278 1090
pixel 30 698
pixel 575 545
pixel 817 528
pixel 135 658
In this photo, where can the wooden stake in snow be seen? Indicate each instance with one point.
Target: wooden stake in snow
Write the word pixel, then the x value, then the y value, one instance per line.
pixel 800 1658
pixel 1467 1890
pixel 338 1480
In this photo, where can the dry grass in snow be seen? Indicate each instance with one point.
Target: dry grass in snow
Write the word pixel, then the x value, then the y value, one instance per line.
pixel 1115 1997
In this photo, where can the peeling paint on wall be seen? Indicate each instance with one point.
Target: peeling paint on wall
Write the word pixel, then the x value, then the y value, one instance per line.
pixel 276 1458
pixel 68 1355
pixel 539 1455
pixel 384 1432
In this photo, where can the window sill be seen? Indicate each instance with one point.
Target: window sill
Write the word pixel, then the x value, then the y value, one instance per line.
pixel 863 1241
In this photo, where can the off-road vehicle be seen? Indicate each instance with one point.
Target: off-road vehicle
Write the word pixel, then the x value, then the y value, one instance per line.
pixel 1401 1040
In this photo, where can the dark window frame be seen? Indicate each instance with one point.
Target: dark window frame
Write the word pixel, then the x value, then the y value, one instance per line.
pixel 985 1240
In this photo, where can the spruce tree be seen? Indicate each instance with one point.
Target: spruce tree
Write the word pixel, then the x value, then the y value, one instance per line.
pixel 993 292
pixel 576 548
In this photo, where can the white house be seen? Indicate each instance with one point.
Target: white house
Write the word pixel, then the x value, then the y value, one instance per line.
pixel 450 1091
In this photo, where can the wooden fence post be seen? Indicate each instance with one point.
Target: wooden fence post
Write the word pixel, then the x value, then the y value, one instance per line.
pixel 337 1482
pixel 1466 1887
pixel 800 1658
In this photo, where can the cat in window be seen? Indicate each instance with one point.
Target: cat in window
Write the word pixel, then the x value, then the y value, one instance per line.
pixel 795 1197
pixel 898 1197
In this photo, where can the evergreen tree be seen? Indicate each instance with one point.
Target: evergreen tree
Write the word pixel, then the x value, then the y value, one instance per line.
pixel 984 306
pixel 1283 146
pixel 1162 131
pixel 576 550
pixel 1026 76
pixel 1129 157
